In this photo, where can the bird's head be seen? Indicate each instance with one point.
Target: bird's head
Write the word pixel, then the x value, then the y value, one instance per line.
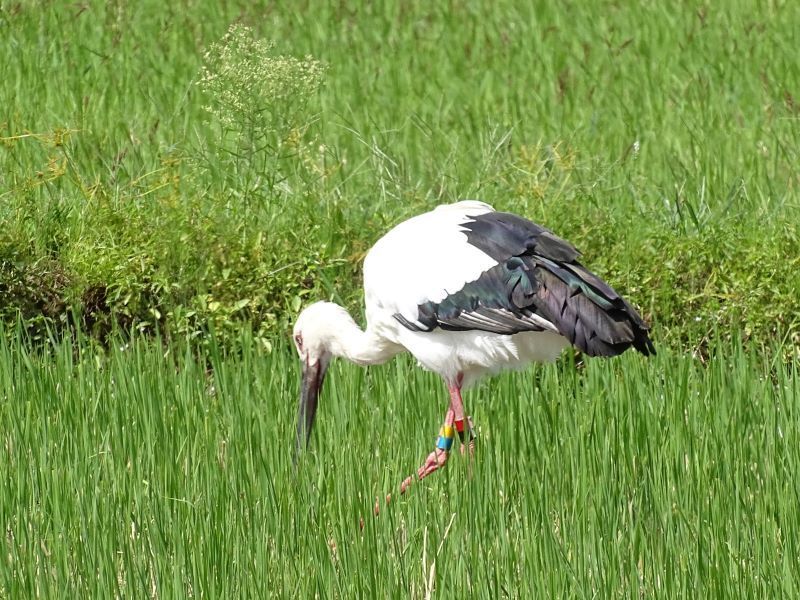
pixel 313 336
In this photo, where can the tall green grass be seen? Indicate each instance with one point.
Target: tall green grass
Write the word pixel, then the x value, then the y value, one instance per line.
pixel 660 139
pixel 156 472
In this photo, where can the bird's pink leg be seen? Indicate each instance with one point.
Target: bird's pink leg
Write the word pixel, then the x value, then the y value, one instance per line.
pixel 463 424
pixel 437 458
pixel 453 421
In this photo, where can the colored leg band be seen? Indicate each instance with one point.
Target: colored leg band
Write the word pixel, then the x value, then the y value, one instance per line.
pixel 460 427
pixel 444 443
pixel 445 439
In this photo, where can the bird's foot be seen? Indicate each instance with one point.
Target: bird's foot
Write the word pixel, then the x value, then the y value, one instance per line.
pixel 435 461
pixel 469 447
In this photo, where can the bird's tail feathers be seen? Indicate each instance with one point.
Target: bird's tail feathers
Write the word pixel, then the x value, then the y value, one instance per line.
pixel 587 311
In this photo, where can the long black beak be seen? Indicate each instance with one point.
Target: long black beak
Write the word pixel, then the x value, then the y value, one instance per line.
pixel 310 386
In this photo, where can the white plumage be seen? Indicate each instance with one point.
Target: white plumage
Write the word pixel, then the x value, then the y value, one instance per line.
pixel 424 258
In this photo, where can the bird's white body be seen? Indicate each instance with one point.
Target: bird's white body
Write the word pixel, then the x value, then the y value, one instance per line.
pixel 424 259
pixel 474 354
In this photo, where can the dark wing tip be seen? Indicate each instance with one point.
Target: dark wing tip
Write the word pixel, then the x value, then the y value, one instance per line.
pixel 644 344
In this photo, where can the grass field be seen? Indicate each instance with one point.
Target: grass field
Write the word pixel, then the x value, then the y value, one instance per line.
pixel 137 474
pixel 661 139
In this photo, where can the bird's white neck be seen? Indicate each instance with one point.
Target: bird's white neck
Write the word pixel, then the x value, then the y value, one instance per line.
pixel 348 340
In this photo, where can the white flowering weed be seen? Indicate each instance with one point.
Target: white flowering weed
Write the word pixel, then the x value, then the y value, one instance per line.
pixel 259 101
pixel 248 86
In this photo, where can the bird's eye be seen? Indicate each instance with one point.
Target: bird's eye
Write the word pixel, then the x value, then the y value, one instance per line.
pixel 298 339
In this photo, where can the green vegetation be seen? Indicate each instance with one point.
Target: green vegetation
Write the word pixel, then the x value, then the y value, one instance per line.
pixel 143 474
pixel 662 141
pixel 177 179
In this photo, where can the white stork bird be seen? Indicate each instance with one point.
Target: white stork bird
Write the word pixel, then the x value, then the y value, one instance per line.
pixel 468 291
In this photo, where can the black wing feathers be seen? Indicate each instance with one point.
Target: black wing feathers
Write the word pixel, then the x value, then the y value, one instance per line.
pixel 503 235
pixel 537 284
pixel 494 302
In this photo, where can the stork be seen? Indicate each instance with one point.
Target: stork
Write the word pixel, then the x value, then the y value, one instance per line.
pixel 468 291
